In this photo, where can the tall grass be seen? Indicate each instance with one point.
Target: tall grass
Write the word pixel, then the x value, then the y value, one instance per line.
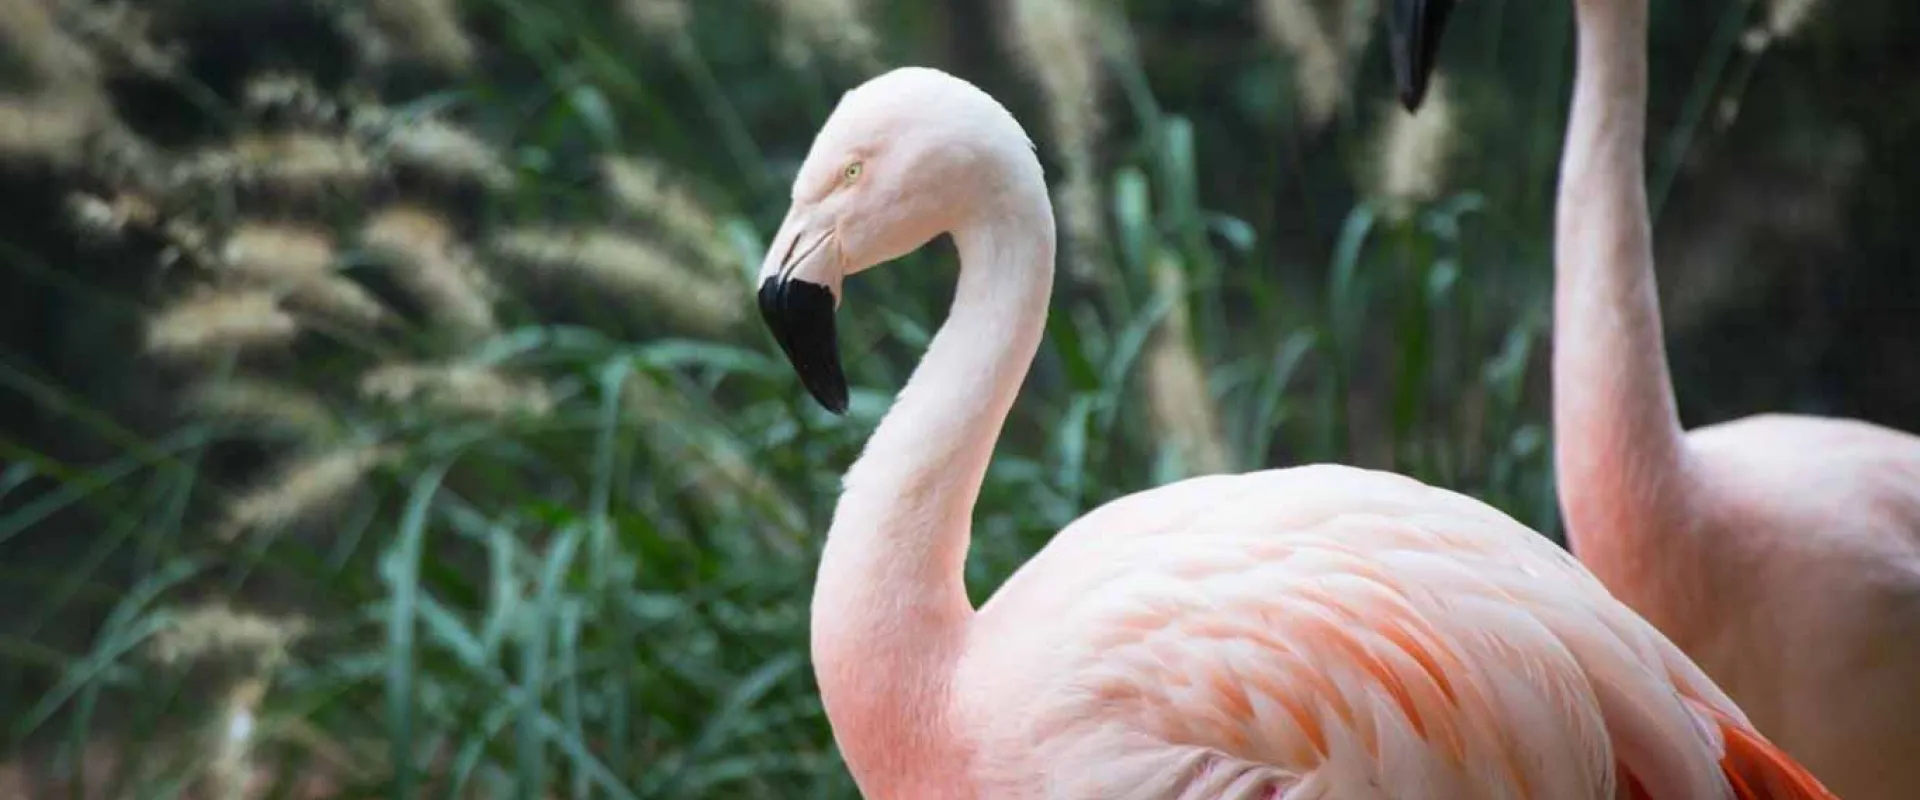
pixel 541 521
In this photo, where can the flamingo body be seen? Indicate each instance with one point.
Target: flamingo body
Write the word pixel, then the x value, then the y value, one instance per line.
pixel 1780 552
pixel 1327 631
pixel 1793 577
pixel 1314 632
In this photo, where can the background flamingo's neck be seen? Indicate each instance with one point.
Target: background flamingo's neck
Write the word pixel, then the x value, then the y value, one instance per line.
pixel 890 608
pixel 1619 447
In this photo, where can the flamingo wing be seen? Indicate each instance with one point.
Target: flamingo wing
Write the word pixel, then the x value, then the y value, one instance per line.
pixel 1335 632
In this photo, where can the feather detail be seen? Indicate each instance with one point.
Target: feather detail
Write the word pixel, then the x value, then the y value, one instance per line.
pixel 1757 770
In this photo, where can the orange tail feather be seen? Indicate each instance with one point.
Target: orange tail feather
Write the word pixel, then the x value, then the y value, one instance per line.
pixel 1760 771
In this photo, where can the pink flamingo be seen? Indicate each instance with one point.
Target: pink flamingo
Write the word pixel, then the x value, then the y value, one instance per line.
pixel 1314 632
pixel 1781 552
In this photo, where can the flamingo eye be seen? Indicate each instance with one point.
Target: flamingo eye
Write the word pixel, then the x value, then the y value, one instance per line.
pixel 851 173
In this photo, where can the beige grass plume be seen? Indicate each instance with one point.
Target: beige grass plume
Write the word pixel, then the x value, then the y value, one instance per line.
pixel 51 100
pixel 427 259
pixel 105 218
pixel 293 165
pixel 1783 19
pixel 303 489
pixel 122 36
pixel 49 127
pixel 428 31
pixel 1787 17
pixel 838 27
pixel 244 650
pixel 266 404
pixel 1323 52
pixel 646 189
pixel 666 20
pixel 1061 43
pixel 291 97
pixel 216 321
pixel 36 53
pixel 1410 161
pixel 1179 404
pixel 217 630
pixel 462 389
pixel 446 150
pixel 299 262
pixel 230 770
pixel 629 267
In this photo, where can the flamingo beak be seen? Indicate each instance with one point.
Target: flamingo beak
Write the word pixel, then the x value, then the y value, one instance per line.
pixel 1414 28
pixel 799 291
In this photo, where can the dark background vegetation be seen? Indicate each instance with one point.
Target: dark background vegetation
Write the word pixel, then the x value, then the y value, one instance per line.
pixel 349 390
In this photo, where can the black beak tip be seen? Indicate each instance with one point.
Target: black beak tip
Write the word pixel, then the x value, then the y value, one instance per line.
pixel 800 315
pixel 1410 97
pixel 833 397
pixel 1414 31
pixel 828 385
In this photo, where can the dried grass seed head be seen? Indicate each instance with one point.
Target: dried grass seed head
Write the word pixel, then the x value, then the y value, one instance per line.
pixel 666 20
pixel 300 262
pixel 284 166
pixel 279 254
pixel 233 733
pixel 1355 26
pixel 431 264
pixel 1788 17
pixel 266 404
pixel 123 34
pixel 835 26
pixel 290 98
pixel 102 218
pixel 216 321
pixel 1320 55
pixel 446 151
pixel 304 489
pixel 428 31
pixel 1060 44
pixel 216 630
pixel 36 53
pixel 629 267
pixel 51 127
pixel 1412 152
pixel 1180 405
pixel 463 389
pixel 645 188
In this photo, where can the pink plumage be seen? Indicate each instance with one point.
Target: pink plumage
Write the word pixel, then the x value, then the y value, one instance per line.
pixel 1319 632
pixel 1781 552
pixel 1315 632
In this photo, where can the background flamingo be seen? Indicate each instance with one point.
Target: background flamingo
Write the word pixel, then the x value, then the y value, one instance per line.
pixel 1782 552
pixel 1312 632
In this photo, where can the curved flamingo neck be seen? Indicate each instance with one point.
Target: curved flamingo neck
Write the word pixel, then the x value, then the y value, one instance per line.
pixel 890 607
pixel 1619 451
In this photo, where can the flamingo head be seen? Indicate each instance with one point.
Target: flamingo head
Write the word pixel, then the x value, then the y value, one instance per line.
pixel 904 157
pixel 1414 28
